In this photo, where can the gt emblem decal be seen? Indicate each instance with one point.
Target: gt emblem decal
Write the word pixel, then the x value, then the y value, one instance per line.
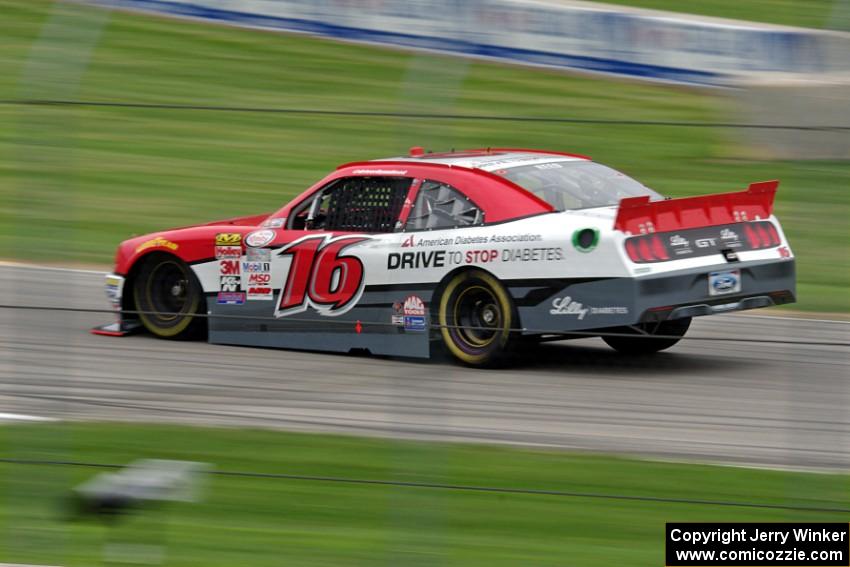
pixel 321 276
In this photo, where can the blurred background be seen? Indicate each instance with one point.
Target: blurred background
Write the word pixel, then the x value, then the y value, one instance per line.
pixel 121 117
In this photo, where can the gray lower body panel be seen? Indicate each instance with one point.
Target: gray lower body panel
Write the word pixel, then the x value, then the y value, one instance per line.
pixel 545 307
pixel 369 326
pixel 628 301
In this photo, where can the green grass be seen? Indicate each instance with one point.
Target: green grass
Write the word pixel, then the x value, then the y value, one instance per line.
pixel 805 13
pixel 76 181
pixel 256 522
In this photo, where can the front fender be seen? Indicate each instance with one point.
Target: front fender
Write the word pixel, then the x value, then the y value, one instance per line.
pixel 192 245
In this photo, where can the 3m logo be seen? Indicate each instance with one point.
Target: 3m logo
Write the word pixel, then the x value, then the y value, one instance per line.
pixel 229 267
pixel 321 276
pixel 228 239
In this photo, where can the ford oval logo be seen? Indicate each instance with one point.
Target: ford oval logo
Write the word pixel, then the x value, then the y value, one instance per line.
pixel 725 283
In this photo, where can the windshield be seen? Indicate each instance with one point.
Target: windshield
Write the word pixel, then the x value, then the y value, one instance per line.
pixel 576 184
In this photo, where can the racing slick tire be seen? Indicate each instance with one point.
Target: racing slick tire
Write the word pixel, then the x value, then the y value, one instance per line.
pixel 168 296
pixel 476 317
pixel 675 329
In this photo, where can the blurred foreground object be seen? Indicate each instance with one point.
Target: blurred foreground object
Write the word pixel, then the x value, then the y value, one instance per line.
pixel 812 110
pixel 142 482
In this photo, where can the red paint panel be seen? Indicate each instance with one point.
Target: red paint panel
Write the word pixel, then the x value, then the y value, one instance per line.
pixel 639 214
pixel 500 199
pixel 104 333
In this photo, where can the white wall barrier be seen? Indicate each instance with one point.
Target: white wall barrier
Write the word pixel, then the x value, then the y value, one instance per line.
pixel 578 36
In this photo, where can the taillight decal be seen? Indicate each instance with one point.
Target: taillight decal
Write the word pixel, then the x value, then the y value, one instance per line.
pixel 645 252
pixel 658 249
pixel 752 237
pixel 631 250
pixel 703 241
pixel 765 238
pixel 774 235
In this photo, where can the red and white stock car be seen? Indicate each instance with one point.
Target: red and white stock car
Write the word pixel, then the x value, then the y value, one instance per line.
pixel 478 249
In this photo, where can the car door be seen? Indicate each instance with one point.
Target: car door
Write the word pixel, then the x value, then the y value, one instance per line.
pixel 337 241
pixel 325 273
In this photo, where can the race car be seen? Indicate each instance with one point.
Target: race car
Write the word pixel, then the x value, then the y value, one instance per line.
pixel 480 250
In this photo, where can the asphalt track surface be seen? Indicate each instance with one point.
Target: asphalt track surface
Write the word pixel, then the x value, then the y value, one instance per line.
pixel 772 404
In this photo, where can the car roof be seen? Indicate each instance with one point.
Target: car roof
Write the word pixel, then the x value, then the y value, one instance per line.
pixel 500 198
pixel 487 159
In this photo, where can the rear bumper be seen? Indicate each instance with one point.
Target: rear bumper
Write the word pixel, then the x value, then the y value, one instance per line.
pixel 701 309
pixel 763 284
pixel 602 303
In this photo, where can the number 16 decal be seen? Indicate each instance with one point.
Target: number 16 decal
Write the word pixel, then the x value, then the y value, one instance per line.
pixel 321 276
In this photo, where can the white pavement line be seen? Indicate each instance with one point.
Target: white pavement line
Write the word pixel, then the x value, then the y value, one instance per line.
pixel 23 417
pixel 7 264
pixel 793 318
pixel 825 470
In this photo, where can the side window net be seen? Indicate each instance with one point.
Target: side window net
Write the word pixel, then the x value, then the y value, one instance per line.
pixel 370 204
pixel 357 204
pixel 442 206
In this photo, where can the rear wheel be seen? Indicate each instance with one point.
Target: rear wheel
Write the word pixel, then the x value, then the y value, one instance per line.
pixel 168 295
pixel 476 316
pixel 646 339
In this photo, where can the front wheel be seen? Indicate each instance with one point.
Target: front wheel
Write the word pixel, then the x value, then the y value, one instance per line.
pixel 168 296
pixel 476 317
pixel 647 338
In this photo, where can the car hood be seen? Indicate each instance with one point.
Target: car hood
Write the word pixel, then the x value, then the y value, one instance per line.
pixel 190 243
pixel 248 220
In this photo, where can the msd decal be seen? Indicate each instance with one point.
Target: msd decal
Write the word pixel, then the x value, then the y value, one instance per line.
pixel 259 279
pixel 321 276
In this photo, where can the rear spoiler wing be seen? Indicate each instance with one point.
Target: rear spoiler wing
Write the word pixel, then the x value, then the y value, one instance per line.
pixel 638 215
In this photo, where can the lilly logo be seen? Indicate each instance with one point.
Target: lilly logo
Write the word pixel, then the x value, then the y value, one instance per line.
pixel 566 306
pixel 678 240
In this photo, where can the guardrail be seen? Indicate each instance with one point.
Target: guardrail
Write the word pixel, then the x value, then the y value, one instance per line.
pixel 583 37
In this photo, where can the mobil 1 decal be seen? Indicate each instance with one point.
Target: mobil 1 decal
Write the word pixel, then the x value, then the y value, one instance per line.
pixel 322 275
pixel 258 280
pixel 257 273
